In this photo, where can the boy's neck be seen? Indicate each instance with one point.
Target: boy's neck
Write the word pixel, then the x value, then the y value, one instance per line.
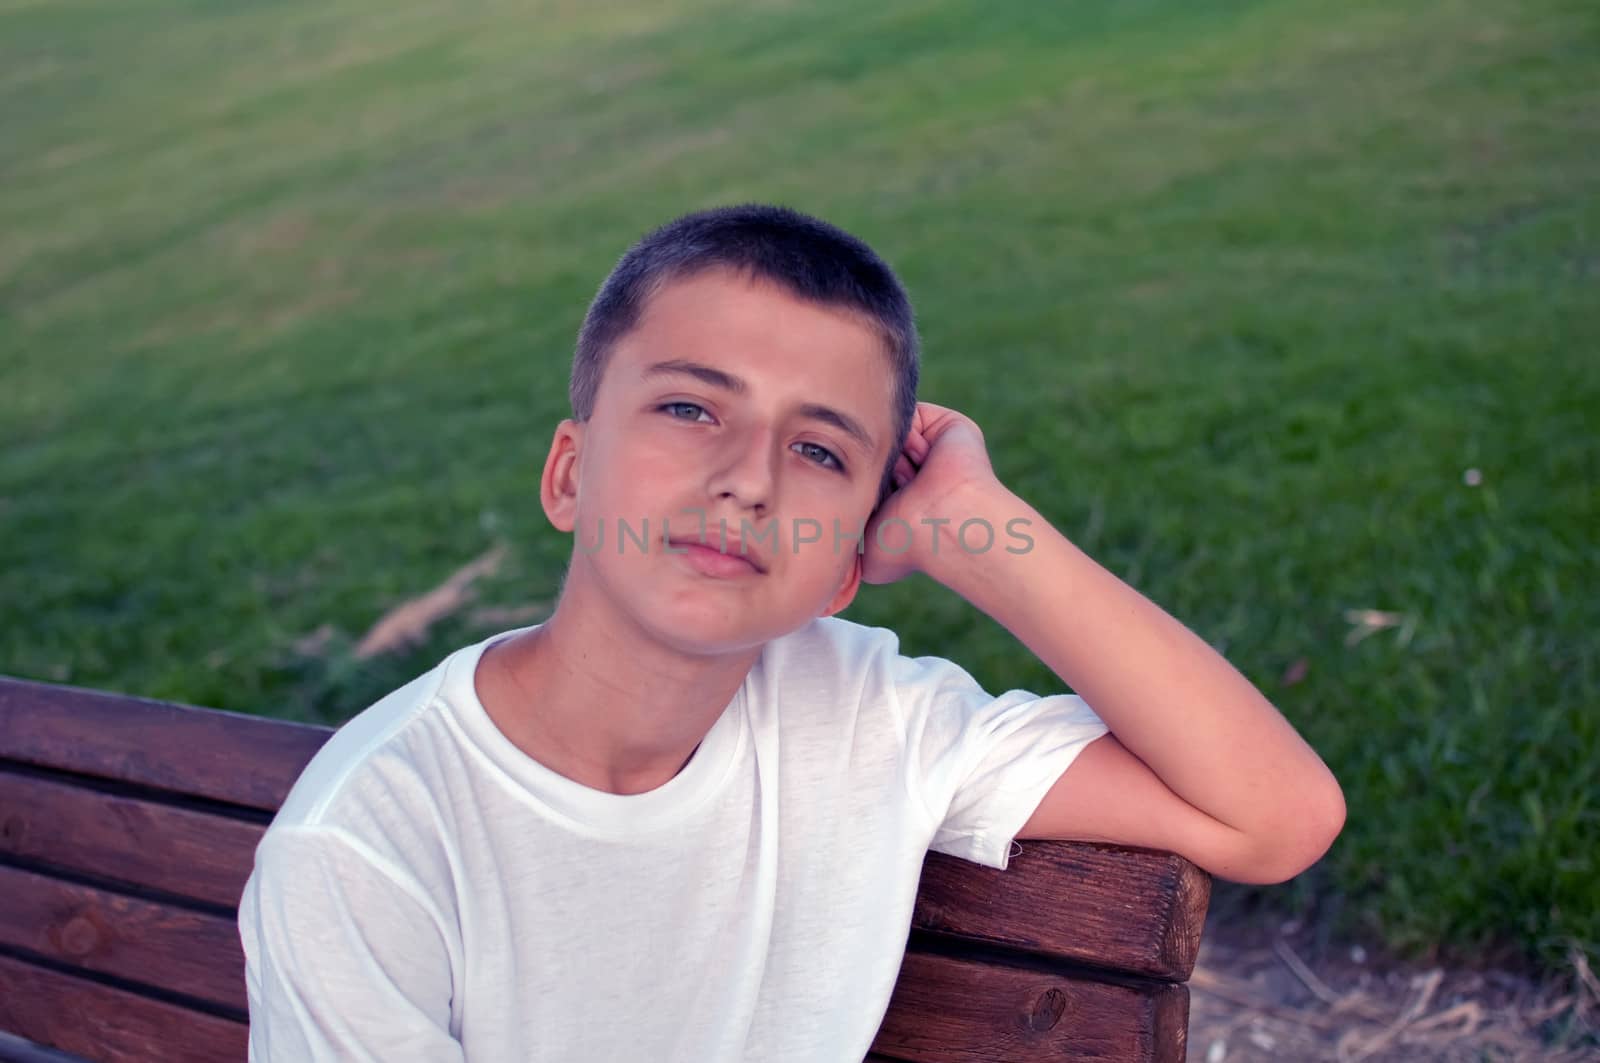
pixel 590 698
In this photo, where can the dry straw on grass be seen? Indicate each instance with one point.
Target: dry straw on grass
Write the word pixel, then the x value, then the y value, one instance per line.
pixel 1257 1003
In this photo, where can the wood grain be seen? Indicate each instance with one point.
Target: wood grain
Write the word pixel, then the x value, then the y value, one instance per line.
pixel 223 756
pixel 14 1049
pixel 952 1010
pixel 132 841
pixel 1133 910
pixel 110 1025
pixel 179 950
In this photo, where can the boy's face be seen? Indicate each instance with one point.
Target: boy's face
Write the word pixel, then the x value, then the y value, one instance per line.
pixel 731 401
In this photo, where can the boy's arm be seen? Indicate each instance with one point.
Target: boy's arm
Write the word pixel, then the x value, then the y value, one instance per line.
pixel 1198 762
pixel 341 961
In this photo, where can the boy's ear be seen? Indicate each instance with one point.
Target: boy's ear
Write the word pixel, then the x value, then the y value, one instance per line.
pixel 847 590
pixel 558 486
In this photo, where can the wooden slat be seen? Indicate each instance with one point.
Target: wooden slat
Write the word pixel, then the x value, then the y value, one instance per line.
pixel 1138 911
pixel 16 1050
pixel 110 1025
pixel 223 756
pixel 176 949
pixel 952 1010
pixel 143 843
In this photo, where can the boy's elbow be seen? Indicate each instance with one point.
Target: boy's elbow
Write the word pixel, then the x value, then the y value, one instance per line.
pixel 1306 840
pixel 1283 849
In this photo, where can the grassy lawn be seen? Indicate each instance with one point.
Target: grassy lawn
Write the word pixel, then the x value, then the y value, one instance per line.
pixel 1240 293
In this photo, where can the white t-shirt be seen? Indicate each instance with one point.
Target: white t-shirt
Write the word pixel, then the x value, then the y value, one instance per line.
pixel 430 892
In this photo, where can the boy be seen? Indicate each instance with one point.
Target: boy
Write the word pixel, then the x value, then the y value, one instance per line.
pixel 684 818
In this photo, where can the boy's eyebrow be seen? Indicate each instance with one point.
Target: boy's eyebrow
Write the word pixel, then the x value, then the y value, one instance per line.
pixel 715 377
pixel 728 382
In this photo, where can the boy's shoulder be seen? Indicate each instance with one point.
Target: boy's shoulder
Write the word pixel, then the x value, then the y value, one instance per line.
pixel 856 661
pixel 380 742
pixel 831 642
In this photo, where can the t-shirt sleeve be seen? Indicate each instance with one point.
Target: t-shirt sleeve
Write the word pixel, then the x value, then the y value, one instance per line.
pixel 982 762
pixel 345 958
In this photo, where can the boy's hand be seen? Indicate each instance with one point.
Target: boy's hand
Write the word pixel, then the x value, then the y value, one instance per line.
pixel 942 460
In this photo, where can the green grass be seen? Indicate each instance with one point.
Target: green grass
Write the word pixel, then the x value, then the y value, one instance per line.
pixel 1238 292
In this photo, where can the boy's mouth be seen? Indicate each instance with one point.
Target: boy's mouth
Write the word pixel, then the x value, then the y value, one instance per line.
pixel 713 552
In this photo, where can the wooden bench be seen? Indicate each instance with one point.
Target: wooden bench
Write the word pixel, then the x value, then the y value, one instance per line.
pixel 128 828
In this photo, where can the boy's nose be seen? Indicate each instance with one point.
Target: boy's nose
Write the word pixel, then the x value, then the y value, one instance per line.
pixel 745 474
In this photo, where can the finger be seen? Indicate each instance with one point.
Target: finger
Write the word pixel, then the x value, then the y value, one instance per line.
pixel 917 449
pixel 903 471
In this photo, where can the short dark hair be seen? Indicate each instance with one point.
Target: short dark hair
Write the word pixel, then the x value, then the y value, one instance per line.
pixel 809 258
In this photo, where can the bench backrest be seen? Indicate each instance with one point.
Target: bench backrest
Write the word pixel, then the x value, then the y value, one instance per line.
pixel 128 828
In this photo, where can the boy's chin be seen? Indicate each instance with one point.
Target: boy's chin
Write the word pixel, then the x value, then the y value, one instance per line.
pixel 707 633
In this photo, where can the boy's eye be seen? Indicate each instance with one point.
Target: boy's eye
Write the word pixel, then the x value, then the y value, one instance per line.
pixel 676 409
pixel 821 455
pixel 690 411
